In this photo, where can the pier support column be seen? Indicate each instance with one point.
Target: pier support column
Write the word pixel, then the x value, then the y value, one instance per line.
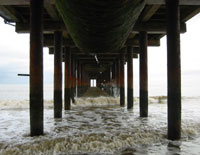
pixel 67 78
pixel 78 78
pixel 118 77
pixel 122 93
pixel 58 75
pixel 36 67
pixel 174 69
pixel 72 78
pixel 130 77
pixel 143 75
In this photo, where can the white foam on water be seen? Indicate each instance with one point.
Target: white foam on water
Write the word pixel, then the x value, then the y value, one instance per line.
pixel 96 126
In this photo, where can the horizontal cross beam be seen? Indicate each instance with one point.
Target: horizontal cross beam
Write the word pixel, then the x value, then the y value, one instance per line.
pixel 181 2
pixel 148 2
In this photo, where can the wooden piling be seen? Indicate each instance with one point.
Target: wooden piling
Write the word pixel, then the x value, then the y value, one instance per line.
pixel 130 77
pixel 143 75
pixel 122 93
pixel 58 75
pixel 36 67
pixel 67 78
pixel 174 69
pixel 78 78
pixel 72 78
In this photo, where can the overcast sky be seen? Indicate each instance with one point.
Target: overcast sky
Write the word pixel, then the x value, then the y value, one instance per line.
pixel 14 59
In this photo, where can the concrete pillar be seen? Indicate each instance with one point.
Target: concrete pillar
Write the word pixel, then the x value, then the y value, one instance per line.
pixel 67 78
pixel 129 77
pixel 122 93
pixel 36 67
pixel 174 69
pixel 58 75
pixel 143 75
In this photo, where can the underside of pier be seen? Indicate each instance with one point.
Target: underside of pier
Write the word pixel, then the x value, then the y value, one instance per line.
pixel 95 39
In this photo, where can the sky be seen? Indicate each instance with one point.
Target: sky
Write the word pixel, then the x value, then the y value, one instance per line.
pixel 14 59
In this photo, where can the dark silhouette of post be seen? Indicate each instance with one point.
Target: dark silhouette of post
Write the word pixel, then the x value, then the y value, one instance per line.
pixel 130 77
pixel 58 74
pixel 67 79
pixel 122 93
pixel 174 69
pixel 36 67
pixel 72 78
pixel 143 75
pixel 78 78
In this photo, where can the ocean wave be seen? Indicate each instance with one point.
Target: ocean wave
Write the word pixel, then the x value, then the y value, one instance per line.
pixel 87 101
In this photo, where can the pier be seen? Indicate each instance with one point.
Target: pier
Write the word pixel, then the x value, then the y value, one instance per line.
pixel 94 41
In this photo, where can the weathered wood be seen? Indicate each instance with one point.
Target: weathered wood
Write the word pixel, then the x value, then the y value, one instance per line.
pixel 191 14
pixel 130 77
pixel 11 14
pixel 155 27
pixel 58 75
pixel 148 2
pixel 49 41
pixel 174 69
pixel 135 42
pixel 150 27
pixel 181 2
pixel 20 2
pixel 122 93
pixel 67 78
pixel 36 68
pixel 49 27
pixel 23 74
pixel 148 12
pixel 51 10
pixel 72 78
pixel 117 18
pixel 143 75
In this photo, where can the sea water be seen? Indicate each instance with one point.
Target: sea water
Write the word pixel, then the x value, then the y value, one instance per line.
pixel 97 126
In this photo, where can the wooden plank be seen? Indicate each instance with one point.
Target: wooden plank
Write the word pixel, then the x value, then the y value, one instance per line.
pixel 36 69
pixel 20 2
pixel 148 12
pixel 49 27
pixel 51 10
pixel 155 27
pixel 190 15
pixel 130 77
pixel 10 14
pixel 135 42
pixel 58 75
pixel 173 70
pixel 143 75
pixel 181 2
